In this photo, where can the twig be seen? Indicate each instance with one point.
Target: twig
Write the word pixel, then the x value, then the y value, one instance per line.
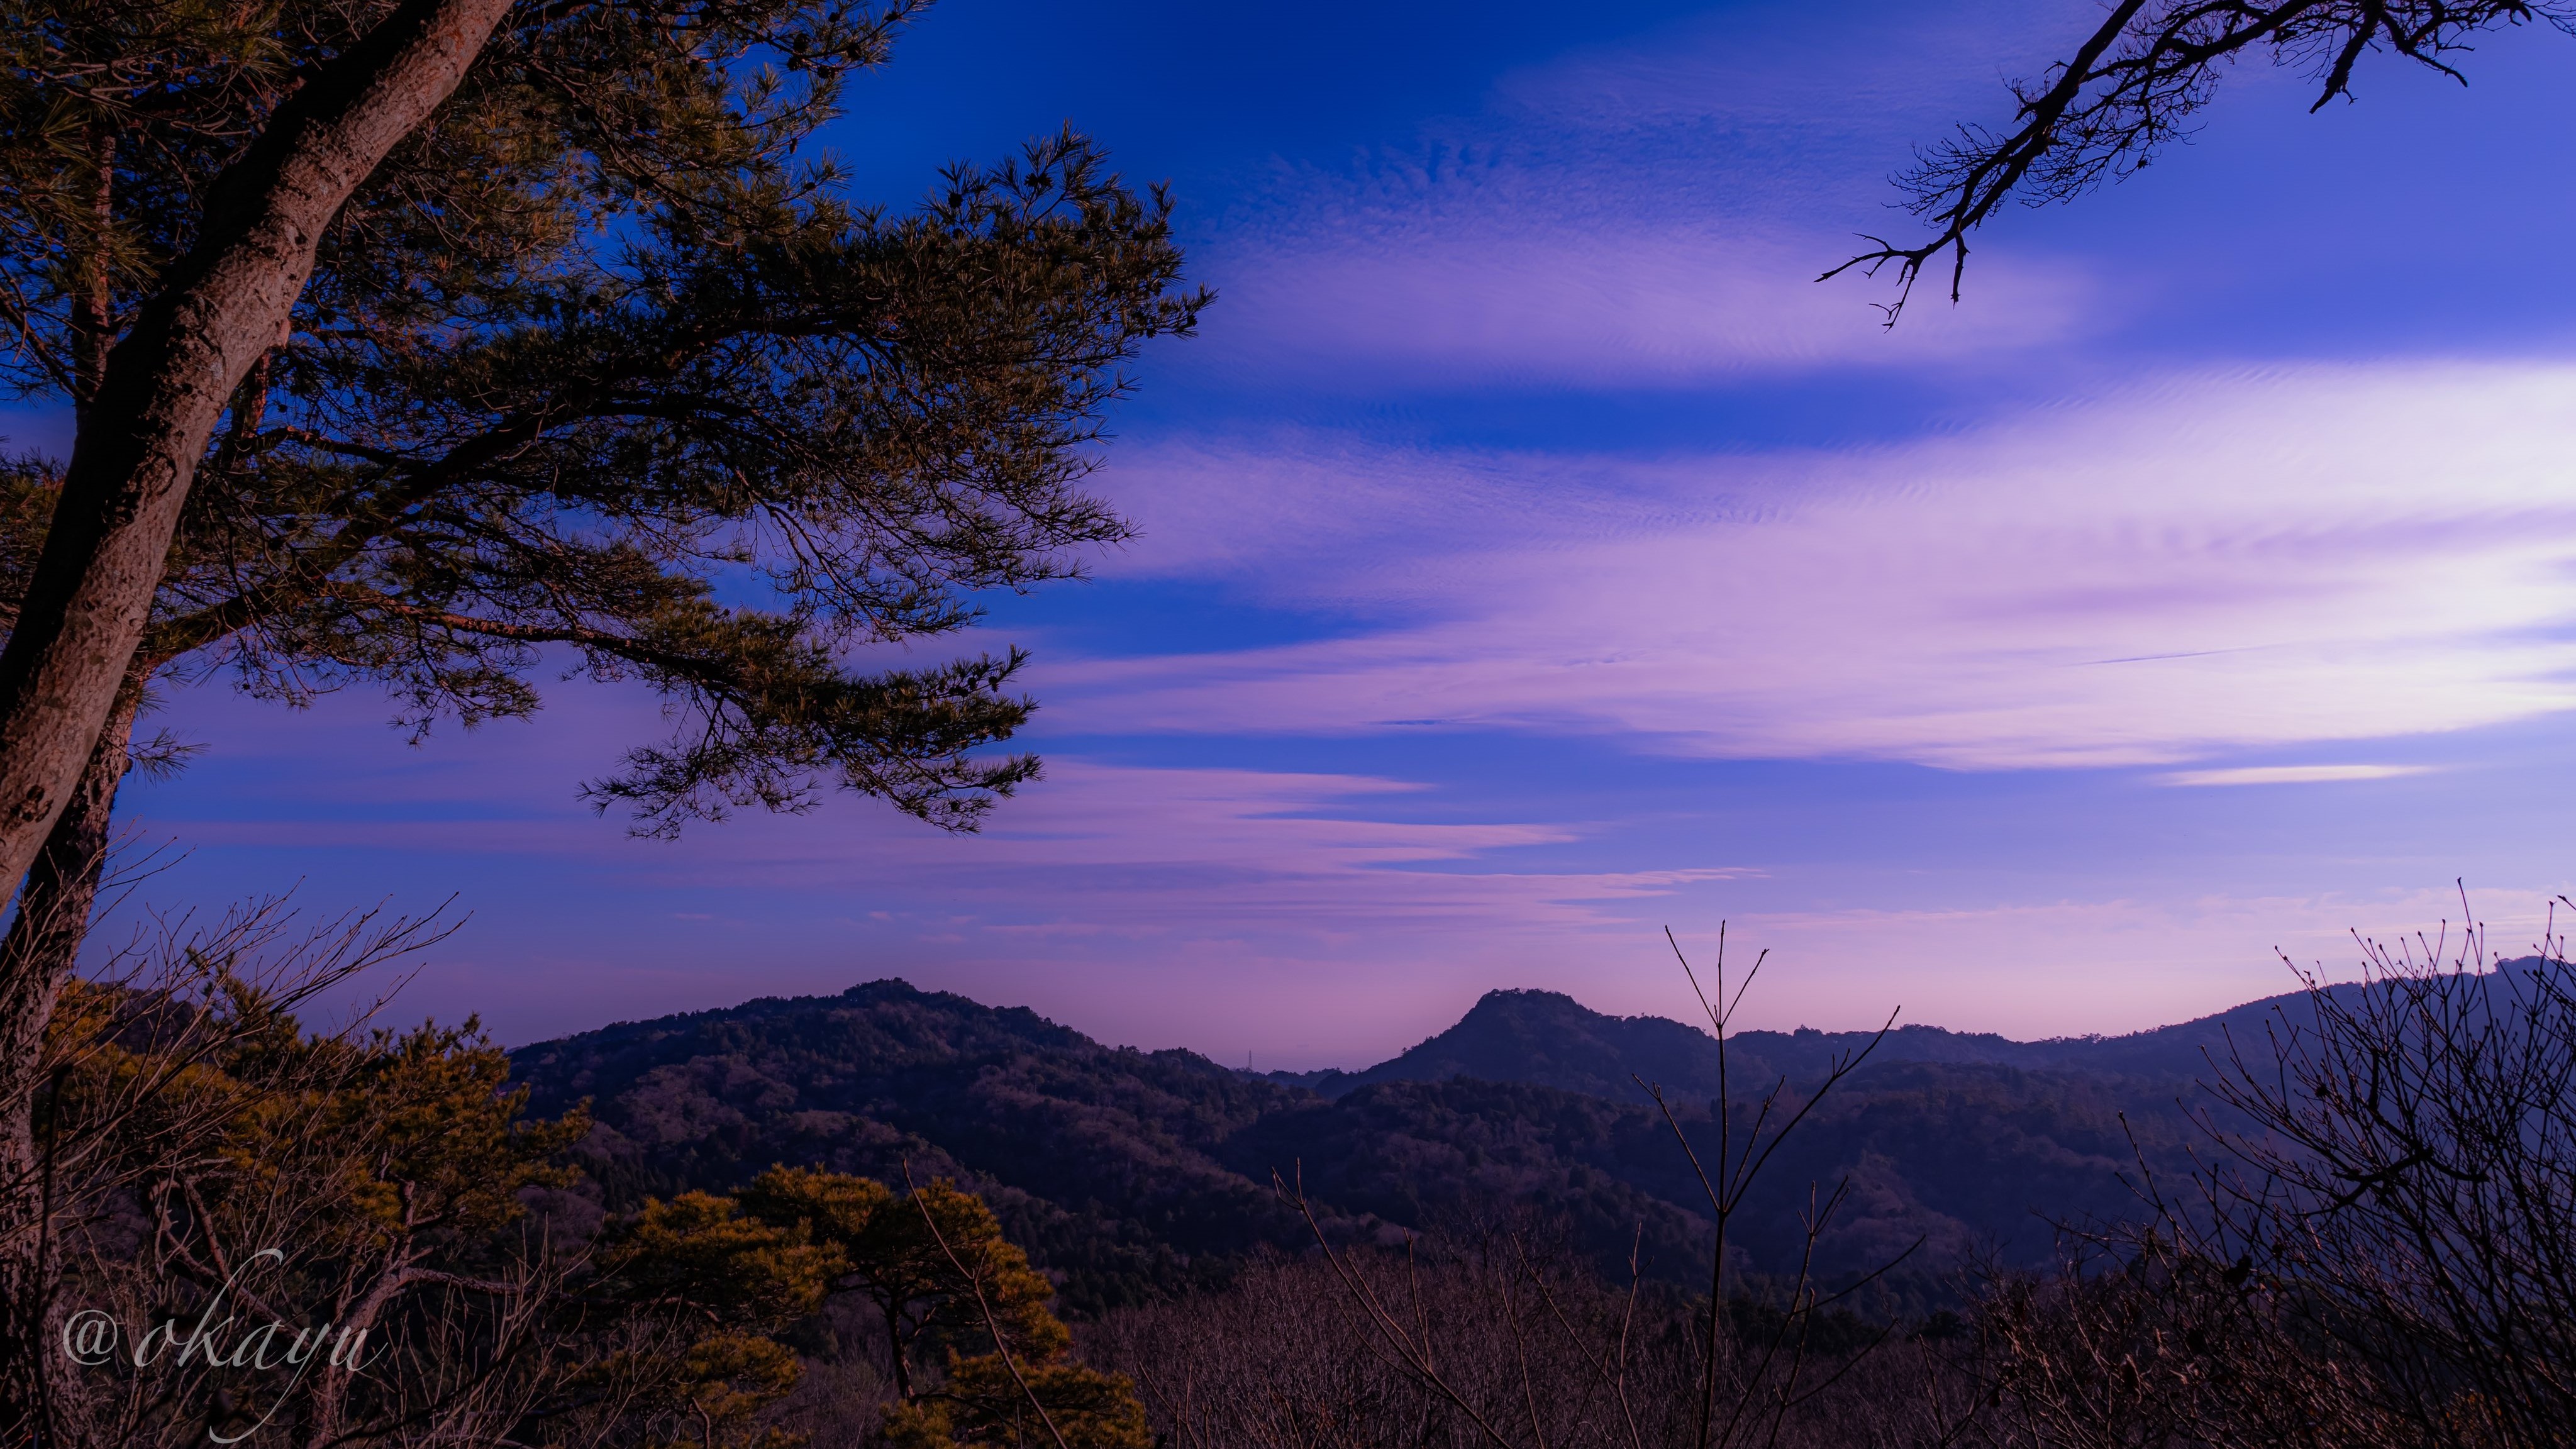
pixel 1414 1358
pixel 992 1325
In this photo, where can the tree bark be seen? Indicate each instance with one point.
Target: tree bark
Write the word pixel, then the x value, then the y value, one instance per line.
pixel 221 308
pixel 902 1365
pixel 35 959
pixel 159 395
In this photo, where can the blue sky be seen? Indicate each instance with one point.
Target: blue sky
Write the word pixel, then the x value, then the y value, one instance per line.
pixel 1533 556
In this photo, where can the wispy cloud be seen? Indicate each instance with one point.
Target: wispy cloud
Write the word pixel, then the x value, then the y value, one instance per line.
pixel 1097 849
pixel 2289 774
pixel 1651 214
pixel 1143 903
pixel 1750 76
pixel 2219 563
pixel 1599 303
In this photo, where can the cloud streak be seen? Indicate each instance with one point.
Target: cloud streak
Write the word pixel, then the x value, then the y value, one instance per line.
pixel 2289 774
pixel 1098 849
pixel 1607 303
pixel 1651 214
pixel 2219 563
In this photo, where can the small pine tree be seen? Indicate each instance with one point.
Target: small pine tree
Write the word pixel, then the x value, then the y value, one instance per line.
pixel 945 1279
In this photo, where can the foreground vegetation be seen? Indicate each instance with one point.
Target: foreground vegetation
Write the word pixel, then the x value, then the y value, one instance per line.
pixel 359 1236
pixel 347 1235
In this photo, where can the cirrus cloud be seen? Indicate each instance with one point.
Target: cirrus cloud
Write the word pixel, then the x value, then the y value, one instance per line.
pixel 2214 563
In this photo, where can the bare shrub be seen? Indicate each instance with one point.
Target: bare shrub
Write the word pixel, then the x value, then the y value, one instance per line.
pixel 1528 1346
pixel 209 1165
pixel 2379 1249
pixel 2410 1174
pixel 131 1103
pixel 2138 1343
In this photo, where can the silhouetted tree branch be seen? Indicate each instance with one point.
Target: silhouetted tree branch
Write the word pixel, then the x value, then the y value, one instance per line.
pixel 2135 85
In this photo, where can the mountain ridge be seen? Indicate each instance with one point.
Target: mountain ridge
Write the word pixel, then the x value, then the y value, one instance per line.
pixel 1131 1175
pixel 1549 1038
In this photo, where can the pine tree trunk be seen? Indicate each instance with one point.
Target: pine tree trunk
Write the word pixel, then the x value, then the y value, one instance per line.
pixel 35 959
pixel 160 395
pixel 165 386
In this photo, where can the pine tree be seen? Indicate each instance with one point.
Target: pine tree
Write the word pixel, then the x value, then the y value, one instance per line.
pixel 428 344
pixel 947 1283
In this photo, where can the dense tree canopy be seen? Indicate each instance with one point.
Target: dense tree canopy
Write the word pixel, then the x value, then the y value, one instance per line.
pixel 599 359
pixel 222 1162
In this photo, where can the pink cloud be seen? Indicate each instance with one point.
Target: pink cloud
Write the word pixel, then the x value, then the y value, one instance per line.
pixel 2217 563
pixel 1159 906
pixel 1223 909
pixel 1095 847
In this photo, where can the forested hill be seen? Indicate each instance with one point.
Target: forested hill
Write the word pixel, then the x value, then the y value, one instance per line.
pixel 1103 1161
pixel 1549 1038
pixel 1134 1174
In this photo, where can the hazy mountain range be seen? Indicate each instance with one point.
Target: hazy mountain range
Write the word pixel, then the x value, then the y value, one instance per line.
pixel 1547 1038
pixel 1133 1174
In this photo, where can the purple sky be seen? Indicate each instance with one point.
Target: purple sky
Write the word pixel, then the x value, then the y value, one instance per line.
pixel 1533 557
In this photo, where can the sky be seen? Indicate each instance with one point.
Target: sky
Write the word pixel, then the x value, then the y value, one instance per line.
pixel 1532 556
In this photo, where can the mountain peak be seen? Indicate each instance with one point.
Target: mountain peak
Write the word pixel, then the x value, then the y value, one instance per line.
pixel 1550 1039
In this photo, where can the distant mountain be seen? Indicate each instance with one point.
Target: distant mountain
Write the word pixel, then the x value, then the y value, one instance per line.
pixel 1549 1039
pixel 1135 1174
